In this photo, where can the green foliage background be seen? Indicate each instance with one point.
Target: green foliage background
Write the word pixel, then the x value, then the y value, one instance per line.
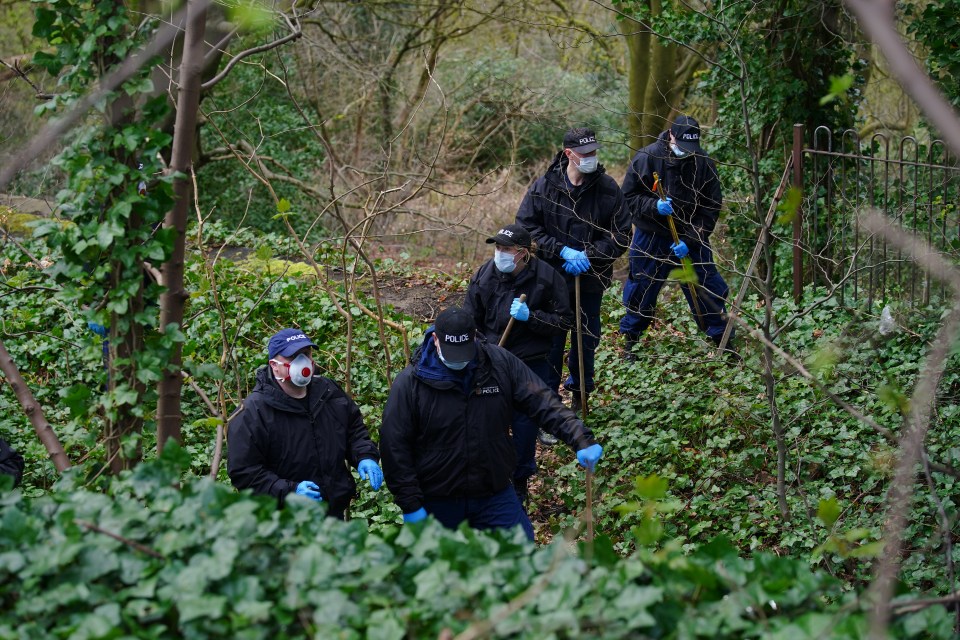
pixel 692 544
pixel 155 559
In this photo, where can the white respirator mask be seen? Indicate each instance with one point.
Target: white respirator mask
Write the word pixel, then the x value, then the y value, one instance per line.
pixel 299 370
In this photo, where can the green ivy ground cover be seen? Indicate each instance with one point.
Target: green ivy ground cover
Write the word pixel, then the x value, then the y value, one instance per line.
pixel 689 461
pixel 151 559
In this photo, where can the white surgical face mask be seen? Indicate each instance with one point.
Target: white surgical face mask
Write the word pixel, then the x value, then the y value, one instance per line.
pixel 677 151
pixel 456 366
pixel 504 261
pixel 299 370
pixel 587 164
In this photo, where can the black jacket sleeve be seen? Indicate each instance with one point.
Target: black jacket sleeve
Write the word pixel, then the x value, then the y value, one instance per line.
pixel 530 216
pixel 638 188
pixel 473 302
pixel 360 445
pixel 246 456
pixel 398 437
pixel 11 462
pixel 532 397
pixel 555 315
pixel 709 201
pixel 611 244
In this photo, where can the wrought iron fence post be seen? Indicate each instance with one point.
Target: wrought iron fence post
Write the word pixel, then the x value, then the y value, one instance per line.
pixel 798 214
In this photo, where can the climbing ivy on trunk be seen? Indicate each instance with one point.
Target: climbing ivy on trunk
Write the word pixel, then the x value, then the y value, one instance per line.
pixel 111 208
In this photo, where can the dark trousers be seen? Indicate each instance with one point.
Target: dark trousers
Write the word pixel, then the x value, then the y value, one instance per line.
pixel 502 510
pixel 651 261
pixel 525 430
pixel 590 326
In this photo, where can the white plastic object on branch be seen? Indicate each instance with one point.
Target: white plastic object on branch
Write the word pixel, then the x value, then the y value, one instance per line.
pixel 887 324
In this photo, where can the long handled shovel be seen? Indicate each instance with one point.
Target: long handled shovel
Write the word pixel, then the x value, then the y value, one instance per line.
pixel 506 332
pixel 588 513
pixel 687 263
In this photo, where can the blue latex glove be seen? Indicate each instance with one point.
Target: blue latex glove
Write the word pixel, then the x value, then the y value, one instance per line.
pixel 576 263
pixel 588 457
pixel 370 470
pixel 519 310
pixel 98 329
pixel 309 490
pixel 680 249
pixel 665 207
pixel 416 516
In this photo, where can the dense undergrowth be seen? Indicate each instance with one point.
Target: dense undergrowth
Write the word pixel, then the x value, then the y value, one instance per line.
pixel 151 559
pixel 692 541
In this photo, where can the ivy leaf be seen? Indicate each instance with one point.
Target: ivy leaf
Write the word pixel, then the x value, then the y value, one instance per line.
pixel 651 487
pixel 839 85
pixel 789 205
pixel 255 17
pixel 106 233
pixel 76 398
pixel 828 511
pixel 868 550
pixel 134 87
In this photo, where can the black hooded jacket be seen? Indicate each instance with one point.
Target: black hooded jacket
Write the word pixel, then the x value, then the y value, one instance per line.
pixel 275 442
pixel 491 293
pixel 692 184
pixel 591 217
pixel 11 462
pixel 446 434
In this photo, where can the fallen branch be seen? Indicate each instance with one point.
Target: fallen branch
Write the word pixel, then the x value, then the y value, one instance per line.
pixel 32 408
pixel 127 541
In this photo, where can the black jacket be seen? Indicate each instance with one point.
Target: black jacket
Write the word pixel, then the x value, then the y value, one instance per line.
pixel 446 434
pixel 592 217
pixel 491 292
pixel 275 443
pixel 11 462
pixel 692 183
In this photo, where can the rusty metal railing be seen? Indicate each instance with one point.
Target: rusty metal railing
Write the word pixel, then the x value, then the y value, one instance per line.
pixel 916 183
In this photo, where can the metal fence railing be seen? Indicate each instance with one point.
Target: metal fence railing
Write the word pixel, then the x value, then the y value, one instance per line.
pixel 915 183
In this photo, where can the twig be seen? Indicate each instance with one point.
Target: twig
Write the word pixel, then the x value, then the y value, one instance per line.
pixel 9 236
pixel 57 128
pixel 916 605
pixel 127 541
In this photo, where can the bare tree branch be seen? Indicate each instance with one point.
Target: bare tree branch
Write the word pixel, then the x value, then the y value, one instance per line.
pixel 290 37
pixel 57 128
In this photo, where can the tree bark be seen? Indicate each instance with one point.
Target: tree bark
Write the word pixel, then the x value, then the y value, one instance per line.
pixel 44 431
pixel 656 100
pixel 638 45
pixel 169 414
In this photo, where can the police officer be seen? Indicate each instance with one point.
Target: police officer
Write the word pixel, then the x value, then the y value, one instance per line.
pixel 688 178
pixel 446 428
pixel 298 432
pixel 493 298
pixel 577 217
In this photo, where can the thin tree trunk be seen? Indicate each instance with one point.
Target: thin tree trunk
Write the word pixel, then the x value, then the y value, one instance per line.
pixel 125 424
pixel 771 384
pixel 656 104
pixel 44 431
pixel 169 414
pixel 638 45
